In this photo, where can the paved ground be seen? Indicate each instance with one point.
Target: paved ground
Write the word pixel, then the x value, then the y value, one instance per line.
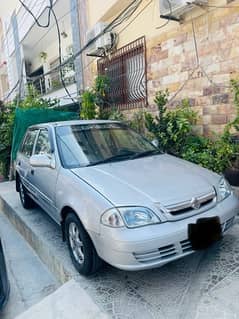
pixel 29 278
pixel 204 285
pixel 67 302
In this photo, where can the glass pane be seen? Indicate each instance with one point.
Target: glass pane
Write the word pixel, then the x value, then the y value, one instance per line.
pixel 28 144
pixel 43 143
pixel 82 145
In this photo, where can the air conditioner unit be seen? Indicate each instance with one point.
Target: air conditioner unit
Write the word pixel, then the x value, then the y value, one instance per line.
pixel 174 9
pixel 103 43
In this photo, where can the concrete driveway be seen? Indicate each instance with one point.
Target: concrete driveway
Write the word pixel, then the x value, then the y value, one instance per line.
pixel 201 286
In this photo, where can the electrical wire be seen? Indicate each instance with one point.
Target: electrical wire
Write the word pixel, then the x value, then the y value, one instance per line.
pixel 136 16
pixel 89 43
pixel 125 14
pixel 168 20
pixel 52 11
pixel 51 27
pixel 198 60
pixel 12 90
pixel 60 54
pixel 195 42
pixel 36 19
pixel 20 83
pixel 211 6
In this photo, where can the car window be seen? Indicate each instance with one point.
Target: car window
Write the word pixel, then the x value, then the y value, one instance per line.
pixel 28 143
pixel 43 144
pixel 82 145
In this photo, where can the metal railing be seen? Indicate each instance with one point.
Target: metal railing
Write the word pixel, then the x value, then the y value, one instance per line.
pixel 46 84
pixel 126 71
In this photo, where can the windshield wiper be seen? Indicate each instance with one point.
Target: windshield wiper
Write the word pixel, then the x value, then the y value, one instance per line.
pixel 113 158
pixel 146 153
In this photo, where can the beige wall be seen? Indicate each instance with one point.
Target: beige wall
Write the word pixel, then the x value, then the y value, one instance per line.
pixel 171 55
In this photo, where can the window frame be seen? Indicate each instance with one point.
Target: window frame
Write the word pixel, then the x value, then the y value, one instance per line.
pixel 24 140
pixel 121 57
pixel 49 140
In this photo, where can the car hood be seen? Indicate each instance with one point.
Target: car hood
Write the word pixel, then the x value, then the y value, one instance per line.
pixel 159 179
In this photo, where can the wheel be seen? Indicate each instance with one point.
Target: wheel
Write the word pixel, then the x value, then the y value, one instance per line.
pixel 82 250
pixel 26 200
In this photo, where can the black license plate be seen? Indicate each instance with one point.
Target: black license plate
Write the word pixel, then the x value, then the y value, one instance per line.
pixel 205 232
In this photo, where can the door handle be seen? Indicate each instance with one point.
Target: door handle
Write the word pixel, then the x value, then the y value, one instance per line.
pixel 32 171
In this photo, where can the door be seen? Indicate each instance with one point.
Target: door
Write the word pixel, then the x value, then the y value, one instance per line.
pixel 23 164
pixel 44 178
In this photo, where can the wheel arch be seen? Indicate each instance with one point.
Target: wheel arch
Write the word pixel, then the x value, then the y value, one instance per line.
pixel 17 182
pixel 64 212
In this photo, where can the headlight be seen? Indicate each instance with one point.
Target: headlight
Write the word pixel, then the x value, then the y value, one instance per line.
pixel 130 216
pixel 224 189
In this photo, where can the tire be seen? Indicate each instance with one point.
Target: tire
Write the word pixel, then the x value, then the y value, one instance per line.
pixel 81 248
pixel 26 200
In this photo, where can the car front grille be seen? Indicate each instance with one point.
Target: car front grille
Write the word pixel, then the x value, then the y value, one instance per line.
pixel 184 247
pixel 227 224
pixel 163 253
pixel 195 203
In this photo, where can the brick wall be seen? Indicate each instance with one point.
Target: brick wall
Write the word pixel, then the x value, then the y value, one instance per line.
pixel 171 59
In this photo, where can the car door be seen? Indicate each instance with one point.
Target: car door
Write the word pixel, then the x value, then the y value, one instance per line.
pixel 23 159
pixel 44 178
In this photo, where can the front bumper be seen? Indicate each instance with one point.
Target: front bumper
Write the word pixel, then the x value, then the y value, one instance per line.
pixel 153 246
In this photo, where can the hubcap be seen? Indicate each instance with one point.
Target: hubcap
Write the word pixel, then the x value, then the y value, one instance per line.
pixel 22 194
pixel 76 243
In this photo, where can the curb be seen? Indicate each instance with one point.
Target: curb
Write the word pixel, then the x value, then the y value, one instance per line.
pixel 46 242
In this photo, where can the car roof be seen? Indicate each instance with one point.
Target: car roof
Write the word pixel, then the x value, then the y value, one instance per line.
pixel 69 123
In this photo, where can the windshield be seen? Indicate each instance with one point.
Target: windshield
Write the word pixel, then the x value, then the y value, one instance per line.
pixel 92 144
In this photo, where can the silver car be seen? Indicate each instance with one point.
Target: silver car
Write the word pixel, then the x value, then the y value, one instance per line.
pixel 119 199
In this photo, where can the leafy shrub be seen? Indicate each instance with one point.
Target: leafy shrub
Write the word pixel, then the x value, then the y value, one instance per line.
pixel 88 106
pixel 93 100
pixel 137 122
pixel 171 127
pixel 215 155
pixel 7 116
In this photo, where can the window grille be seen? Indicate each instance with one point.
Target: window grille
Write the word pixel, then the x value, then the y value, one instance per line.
pixel 126 71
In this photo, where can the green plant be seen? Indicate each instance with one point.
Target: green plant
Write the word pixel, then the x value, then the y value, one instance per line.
pixel 215 155
pixel 56 84
pixel 7 116
pixel 88 105
pixel 137 122
pixel 171 127
pixel 43 56
pixel 95 97
pixel 234 124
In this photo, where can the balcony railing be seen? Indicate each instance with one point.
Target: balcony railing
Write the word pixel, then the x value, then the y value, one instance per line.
pixel 47 84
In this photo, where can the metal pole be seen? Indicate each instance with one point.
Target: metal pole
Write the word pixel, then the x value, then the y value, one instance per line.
pixel 76 38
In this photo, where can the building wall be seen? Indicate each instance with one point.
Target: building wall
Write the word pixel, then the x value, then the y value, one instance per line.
pixel 3 67
pixel 171 56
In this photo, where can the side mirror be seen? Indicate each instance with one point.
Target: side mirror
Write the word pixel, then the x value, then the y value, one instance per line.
pixel 42 160
pixel 155 143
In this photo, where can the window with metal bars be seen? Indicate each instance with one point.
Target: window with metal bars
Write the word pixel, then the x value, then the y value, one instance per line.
pixel 126 71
